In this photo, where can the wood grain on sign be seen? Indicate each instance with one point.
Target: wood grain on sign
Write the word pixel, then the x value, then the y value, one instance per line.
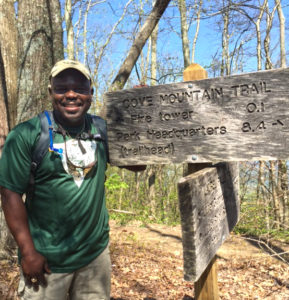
pixel 209 207
pixel 234 118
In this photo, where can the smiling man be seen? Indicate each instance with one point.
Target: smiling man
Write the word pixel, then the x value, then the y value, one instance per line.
pixel 62 228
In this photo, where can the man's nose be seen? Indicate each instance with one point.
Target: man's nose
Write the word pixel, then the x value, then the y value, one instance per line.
pixel 70 94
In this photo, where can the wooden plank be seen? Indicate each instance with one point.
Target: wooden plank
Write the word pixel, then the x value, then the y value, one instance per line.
pixel 207 288
pixel 234 118
pixel 209 207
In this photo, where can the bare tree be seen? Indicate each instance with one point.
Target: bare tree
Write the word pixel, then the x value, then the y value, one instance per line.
pixel 282 165
pixel 69 29
pixel 198 9
pixel 282 33
pixel 225 66
pixel 139 43
pixel 184 31
pixel 154 39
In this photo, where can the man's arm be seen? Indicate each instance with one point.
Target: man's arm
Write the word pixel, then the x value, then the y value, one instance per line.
pixel 33 264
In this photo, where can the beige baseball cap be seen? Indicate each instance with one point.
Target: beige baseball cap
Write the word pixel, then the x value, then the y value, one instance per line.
pixel 69 64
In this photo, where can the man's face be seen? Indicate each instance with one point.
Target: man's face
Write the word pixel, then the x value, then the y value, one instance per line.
pixel 71 95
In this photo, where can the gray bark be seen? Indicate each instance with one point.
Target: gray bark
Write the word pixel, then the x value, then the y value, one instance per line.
pixel 8 48
pixel 39 47
pixel 8 74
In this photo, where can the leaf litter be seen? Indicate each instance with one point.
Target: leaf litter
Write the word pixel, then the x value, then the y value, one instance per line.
pixel 147 264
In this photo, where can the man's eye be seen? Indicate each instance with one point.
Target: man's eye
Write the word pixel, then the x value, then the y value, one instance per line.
pixel 60 91
pixel 81 91
pixel 76 90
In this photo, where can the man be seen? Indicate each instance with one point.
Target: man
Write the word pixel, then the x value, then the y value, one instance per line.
pixel 62 229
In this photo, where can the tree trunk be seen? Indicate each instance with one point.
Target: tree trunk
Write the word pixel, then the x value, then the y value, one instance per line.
pixel 225 43
pixel 184 30
pixel 8 63
pixel 269 22
pixel 85 54
pixel 55 21
pixel 154 39
pixel 283 192
pixel 69 29
pixel 8 99
pixel 282 33
pixel 152 189
pixel 120 195
pixel 198 18
pixel 275 201
pixel 37 43
pixel 4 232
pixel 258 33
pixel 138 44
pixel 282 166
pixel 260 184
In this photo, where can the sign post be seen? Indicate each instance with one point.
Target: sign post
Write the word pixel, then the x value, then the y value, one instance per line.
pixel 208 283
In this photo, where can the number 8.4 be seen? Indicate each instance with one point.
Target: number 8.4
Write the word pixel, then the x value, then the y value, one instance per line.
pixel 247 127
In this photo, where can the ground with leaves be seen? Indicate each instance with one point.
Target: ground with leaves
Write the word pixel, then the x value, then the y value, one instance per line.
pixel 147 264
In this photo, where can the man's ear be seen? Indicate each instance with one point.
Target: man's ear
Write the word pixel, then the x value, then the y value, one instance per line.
pixel 49 89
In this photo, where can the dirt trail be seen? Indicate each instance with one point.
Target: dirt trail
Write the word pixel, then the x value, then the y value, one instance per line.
pixel 147 264
pixel 245 270
pixel 169 239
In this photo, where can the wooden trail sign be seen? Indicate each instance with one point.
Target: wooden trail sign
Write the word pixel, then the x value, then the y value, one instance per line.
pixel 209 208
pixel 234 118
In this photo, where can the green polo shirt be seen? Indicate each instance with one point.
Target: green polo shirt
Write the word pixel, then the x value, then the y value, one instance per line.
pixel 67 216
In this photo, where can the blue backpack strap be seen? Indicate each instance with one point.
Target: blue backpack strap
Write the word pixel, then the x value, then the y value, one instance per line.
pixel 43 141
pixel 100 125
pixel 40 150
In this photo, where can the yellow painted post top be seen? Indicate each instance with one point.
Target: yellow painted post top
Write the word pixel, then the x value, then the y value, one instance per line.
pixel 194 72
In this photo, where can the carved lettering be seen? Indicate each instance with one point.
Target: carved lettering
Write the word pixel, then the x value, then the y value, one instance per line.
pixel 206 95
pixel 144 150
pixel 134 136
pixel 249 89
pixel 176 98
pixel 217 92
pixel 175 115
pixel 139 118
pixel 137 102
pixel 185 133
pixel 261 125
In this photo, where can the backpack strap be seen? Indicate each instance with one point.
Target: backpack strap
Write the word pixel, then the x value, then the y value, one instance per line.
pixel 40 150
pixel 100 125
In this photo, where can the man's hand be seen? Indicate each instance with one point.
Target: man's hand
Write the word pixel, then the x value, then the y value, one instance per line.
pixel 34 266
pixel 137 168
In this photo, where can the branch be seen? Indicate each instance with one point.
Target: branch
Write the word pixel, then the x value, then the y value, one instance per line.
pixel 122 211
pixel 138 44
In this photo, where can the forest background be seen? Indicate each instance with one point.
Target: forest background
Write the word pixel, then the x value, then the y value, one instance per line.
pixel 225 37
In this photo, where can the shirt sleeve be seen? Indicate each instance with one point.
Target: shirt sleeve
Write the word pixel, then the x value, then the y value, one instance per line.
pixel 16 156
